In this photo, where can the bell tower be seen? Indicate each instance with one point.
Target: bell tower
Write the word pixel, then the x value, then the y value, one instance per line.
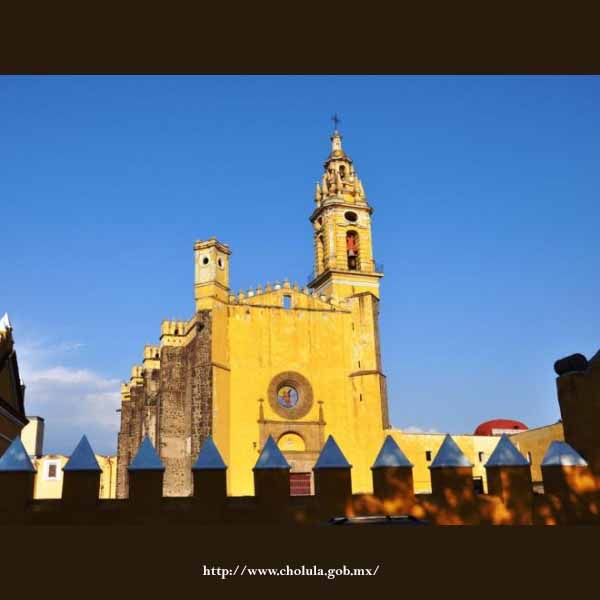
pixel 344 263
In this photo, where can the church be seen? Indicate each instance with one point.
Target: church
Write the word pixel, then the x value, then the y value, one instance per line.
pixel 297 364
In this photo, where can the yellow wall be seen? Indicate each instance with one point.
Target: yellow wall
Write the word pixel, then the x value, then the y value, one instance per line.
pixel 316 340
pixel 415 446
pixel 32 436
pixel 536 442
pixel 45 488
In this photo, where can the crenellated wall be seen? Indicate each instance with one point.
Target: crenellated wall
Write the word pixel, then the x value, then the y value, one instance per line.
pixel 572 496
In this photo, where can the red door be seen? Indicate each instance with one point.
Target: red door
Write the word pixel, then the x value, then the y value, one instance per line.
pixel 300 484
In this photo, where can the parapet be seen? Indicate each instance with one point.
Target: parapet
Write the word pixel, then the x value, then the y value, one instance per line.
pixel 151 352
pixel 210 242
pixel 137 377
pixel 125 392
pixel 174 333
pixel 272 295
pixel 571 494
pixel 151 356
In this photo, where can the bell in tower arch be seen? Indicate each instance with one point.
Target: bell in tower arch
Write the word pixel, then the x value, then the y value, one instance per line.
pixel 352 250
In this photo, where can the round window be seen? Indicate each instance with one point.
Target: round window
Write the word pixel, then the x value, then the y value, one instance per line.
pixel 205 260
pixel 287 396
pixel 351 216
pixel 220 262
pixel 290 395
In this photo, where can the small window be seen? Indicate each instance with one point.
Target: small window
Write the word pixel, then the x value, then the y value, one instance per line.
pixel 351 216
pixel 287 302
pixel 205 260
pixel 352 250
pixel 428 455
pixel 52 470
pixel 481 456
pixel 220 262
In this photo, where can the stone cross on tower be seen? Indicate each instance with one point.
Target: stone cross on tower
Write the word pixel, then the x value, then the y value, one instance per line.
pixel 336 121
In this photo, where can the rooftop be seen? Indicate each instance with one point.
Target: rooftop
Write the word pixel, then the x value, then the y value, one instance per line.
pixel 331 456
pixel 209 457
pixel 271 457
pixel 16 459
pixel 83 458
pixel 146 458
pixel 449 455
pixel 506 455
pixel 563 455
pixel 391 455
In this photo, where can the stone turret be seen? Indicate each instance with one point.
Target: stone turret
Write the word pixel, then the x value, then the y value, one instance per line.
pixel 211 260
pixel 451 472
pixel 393 477
pixel 333 480
pixel 509 478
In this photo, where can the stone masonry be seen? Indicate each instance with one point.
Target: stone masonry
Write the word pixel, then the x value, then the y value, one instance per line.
pixel 171 404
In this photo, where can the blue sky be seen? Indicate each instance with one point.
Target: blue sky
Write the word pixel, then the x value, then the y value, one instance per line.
pixel 486 197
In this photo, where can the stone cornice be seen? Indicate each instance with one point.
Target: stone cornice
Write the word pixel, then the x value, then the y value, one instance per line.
pixel 319 279
pixel 366 372
pixel 342 203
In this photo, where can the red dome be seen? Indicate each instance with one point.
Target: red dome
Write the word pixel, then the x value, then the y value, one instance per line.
pixel 496 426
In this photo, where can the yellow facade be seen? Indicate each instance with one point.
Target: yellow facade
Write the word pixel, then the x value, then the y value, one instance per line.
pixel 329 335
pixel 421 448
pixel 534 443
pixel 49 476
pixel 32 436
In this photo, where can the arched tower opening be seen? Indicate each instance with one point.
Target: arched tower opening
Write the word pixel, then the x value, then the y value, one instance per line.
pixel 320 253
pixel 291 441
pixel 352 250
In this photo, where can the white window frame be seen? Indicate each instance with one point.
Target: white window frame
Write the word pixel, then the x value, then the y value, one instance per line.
pixel 47 470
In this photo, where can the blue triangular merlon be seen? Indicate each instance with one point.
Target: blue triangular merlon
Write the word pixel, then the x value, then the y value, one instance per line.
pixel 271 457
pixel 331 456
pixel 561 454
pixel 146 458
pixel 209 457
pixel 449 455
pixel 83 458
pixel 506 455
pixel 16 459
pixel 391 455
